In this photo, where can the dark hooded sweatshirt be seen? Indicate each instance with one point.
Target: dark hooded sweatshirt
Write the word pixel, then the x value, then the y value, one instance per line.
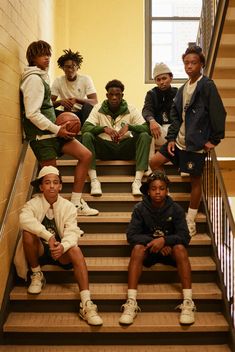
pixel 169 219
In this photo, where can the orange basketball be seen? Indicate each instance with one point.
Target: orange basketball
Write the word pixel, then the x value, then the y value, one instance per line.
pixel 74 124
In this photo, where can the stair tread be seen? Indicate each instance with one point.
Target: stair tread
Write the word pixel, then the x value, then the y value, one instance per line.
pixel 121 264
pixel 124 197
pixel 111 291
pixel 118 217
pixel 115 348
pixel 105 239
pixel 124 178
pixel 144 322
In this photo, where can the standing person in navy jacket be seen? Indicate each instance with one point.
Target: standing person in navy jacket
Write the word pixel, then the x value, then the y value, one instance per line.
pixel 198 124
pixel 158 233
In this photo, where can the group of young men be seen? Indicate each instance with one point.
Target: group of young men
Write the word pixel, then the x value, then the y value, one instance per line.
pixel 184 124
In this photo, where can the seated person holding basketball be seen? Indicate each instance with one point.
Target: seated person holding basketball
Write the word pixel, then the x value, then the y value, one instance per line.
pixel 158 233
pixel 116 130
pixel 48 140
pixel 50 236
pixel 76 92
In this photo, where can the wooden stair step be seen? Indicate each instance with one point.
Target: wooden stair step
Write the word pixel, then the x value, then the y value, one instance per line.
pixel 144 322
pixel 124 197
pixel 108 264
pixel 106 239
pixel 73 162
pixel 125 179
pixel 116 348
pixel 111 291
pixel 117 217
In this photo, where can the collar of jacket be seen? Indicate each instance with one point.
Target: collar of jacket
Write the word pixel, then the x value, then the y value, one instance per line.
pixel 122 110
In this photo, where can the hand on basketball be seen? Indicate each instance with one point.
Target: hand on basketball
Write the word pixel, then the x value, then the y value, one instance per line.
pixel 63 133
pixel 171 148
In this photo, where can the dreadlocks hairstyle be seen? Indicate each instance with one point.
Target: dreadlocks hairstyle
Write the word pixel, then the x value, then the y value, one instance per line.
pixel 70 55
pixel 195 49
pixel 35 49
pixel 115 83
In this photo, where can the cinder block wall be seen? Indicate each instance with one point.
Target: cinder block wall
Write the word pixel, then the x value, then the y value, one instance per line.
pixel 21 22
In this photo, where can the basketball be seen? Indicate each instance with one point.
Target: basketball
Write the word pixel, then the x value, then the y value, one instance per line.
pixel 74 125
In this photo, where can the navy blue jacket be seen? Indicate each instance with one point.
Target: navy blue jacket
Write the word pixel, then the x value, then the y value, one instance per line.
pixel 158 104
pixel 204 117
pixel 170 219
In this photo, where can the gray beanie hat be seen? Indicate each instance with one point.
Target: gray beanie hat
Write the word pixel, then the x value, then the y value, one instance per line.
pixel 159 69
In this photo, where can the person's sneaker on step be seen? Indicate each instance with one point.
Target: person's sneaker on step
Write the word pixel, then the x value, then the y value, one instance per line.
pixel 187 312
pixel 96 187
pixel 38 281
pixel 130 310
pixel 89 313
pixel 84 209
pixel 136 188
pixel 191 226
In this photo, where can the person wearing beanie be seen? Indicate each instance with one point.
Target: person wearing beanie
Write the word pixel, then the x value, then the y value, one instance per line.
pixel 157 105
pixel 158 233
pixel 50 235
pixel 198 125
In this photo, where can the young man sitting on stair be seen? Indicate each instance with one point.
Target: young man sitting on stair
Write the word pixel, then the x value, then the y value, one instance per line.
pixel 50 236
pixel 115 130
pixel 158 233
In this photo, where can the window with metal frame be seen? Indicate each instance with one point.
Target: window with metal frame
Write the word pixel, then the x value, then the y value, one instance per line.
pixel 170 26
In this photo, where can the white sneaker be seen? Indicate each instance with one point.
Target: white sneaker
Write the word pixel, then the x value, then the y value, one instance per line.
pixel 184 174
pixel 38 281
pixel 136 188
pixel 96 187
pixel 187 312
pixel 148 172
pixel 130 310
pixel 191 227
pixel 89 313
pixel 84 209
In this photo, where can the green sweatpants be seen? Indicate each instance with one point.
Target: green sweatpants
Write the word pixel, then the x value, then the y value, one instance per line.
pixel 136 147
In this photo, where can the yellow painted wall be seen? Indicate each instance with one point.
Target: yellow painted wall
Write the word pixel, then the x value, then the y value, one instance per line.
pixel 21 22
pixel 110 36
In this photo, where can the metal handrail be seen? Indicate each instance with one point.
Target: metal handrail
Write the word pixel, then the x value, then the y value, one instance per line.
pixel 222 225
pixel 13 188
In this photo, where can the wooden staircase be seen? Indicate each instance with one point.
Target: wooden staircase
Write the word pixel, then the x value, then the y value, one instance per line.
pixel 50 322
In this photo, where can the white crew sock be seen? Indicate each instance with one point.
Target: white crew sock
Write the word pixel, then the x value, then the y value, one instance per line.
pixel 187 293
pixel 36 269
pixel 76 198
pixel 192 213
pixel 85 296
pixel 139 175
pixel 92 174
pixel 132 293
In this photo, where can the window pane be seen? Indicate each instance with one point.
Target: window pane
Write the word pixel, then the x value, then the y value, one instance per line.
pixel 181 8
pixel 170 40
